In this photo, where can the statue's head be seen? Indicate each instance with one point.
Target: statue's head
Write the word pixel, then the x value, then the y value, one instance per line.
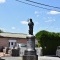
pixel 30 20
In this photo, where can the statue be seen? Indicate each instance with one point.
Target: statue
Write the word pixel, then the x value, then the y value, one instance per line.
pixel 30 24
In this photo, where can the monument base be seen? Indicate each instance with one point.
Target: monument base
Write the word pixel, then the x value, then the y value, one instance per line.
pixel 33 52
pixel 30 57
pixel 30 52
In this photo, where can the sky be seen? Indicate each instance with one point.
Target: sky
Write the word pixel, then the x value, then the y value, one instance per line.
pixel 14 16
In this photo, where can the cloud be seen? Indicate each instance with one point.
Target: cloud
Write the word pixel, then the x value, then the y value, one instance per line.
pixel 37 13
pixel 50 20
pixel 2 1
pixel 13 27
pixel 36 23
pixel 53 12
pixel 24 22
pixel 34 33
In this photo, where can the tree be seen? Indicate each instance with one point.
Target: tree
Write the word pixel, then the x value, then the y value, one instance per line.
pixel 1 31
pixel 48 41
pixel 41 35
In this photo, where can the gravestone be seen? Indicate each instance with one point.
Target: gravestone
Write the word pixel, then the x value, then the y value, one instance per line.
pixel 30 52
pixel 7 49
pixel 15 52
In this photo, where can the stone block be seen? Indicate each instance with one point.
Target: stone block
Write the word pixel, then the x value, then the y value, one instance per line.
pixel 30 57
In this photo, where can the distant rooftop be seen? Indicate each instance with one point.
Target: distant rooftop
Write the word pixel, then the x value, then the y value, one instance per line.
pixel 15 35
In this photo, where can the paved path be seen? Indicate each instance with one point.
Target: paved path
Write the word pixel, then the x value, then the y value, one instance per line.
pixel 12 58
pixel 39 58
pixel 20 58
pixel 48 58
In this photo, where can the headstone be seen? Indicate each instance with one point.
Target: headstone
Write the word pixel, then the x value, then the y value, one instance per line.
pixel 7 49
pixel 58 51
pixel 15 52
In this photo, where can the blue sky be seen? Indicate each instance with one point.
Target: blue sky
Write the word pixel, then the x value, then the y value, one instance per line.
pixel 14 16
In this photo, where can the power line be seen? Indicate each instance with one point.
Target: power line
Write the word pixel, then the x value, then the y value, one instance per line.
pixel 43 4
pixel 34 5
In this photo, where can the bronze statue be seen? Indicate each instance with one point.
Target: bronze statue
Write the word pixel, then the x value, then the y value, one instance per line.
pixel 30 24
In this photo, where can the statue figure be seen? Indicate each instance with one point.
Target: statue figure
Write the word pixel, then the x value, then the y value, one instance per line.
pixel 30 24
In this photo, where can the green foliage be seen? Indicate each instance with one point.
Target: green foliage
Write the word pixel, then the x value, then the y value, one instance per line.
pixel 36 45
pixel 1 31
pixel 48 41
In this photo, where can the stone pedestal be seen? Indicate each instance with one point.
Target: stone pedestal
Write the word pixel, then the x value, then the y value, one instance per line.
pixel 30 52
pixel 30 57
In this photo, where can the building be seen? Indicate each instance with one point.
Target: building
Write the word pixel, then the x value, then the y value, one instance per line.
pixel 12 39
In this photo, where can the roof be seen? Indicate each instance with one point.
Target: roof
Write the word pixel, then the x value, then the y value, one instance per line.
pixel 15 35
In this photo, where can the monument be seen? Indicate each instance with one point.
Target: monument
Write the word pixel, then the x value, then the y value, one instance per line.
pixel 30 52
